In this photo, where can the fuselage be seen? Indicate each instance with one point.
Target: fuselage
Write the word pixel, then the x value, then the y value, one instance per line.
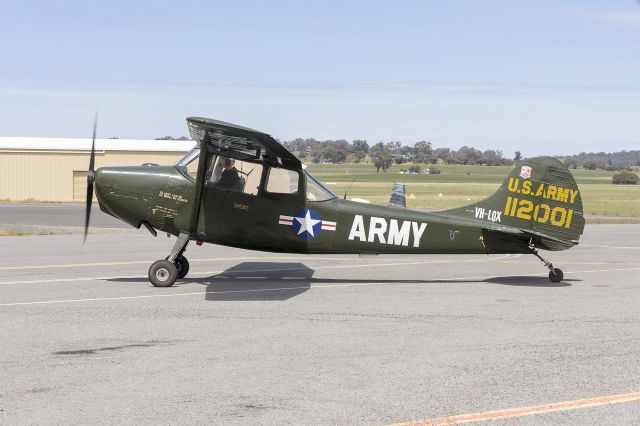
pixel 162 197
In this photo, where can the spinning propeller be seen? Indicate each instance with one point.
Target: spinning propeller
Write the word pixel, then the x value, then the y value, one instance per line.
pixel 91 178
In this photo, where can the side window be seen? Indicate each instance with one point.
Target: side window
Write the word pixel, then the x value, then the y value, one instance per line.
pixel 235 175
pixel 282 181
pixel 189 163
pixel 192 168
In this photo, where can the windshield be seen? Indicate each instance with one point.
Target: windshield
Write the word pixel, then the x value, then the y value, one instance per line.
pixel 317 191
pixel 189 163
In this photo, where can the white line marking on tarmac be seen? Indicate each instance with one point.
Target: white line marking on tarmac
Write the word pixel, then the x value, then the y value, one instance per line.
pixel 61 280
pixel 611 247
pixel 432 262
pixel 210 259
pixel 425 262
pixel 149 262
pixel 526 411
pixel 148 296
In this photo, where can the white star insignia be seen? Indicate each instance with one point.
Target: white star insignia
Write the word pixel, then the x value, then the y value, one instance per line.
pixel 307 223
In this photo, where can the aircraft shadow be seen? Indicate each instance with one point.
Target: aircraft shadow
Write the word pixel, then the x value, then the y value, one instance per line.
pixel 529 281
pixel 271 281
pixel 256 281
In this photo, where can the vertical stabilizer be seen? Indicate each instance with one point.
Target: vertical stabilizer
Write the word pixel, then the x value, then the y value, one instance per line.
pixel 540 197
pixel 398 196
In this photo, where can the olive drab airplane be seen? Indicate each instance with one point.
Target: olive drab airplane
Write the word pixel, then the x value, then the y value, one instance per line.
pixel 239 187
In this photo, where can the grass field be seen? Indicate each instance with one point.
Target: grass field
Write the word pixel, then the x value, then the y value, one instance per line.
pixel 19 233
pixel 458 185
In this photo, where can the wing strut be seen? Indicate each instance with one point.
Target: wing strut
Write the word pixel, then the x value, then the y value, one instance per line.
pixel 203 166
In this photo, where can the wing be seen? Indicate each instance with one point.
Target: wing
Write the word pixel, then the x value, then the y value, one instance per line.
pixel 232 139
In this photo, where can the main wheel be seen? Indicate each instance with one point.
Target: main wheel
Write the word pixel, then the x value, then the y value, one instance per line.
pixel 182 264
pixel 163 273
pixel 556 275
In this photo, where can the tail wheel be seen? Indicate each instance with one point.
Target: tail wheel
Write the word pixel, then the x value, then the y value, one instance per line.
pixel 163 273
pixel 182 265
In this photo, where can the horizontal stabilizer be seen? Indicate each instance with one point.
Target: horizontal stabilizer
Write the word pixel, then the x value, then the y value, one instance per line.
pixel 537 239
pixel 398 198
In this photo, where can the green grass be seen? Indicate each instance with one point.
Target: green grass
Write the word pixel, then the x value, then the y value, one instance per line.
pixel 19 233
pixel 450 173
pixel 459 185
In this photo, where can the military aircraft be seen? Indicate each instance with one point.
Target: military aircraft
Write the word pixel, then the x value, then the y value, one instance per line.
pixel 239 187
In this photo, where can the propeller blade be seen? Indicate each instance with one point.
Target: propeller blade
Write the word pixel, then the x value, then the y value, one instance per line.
pixel 91 177
pixel 87 213
pixel 92 160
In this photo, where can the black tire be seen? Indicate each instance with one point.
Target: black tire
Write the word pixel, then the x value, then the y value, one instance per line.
pixel 182 264
pixel 163 273
pixel 556 275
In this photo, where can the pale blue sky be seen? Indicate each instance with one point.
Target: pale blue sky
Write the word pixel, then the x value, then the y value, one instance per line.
pixel 542 77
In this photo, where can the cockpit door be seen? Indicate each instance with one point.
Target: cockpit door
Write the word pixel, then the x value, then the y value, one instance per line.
pixel 242 205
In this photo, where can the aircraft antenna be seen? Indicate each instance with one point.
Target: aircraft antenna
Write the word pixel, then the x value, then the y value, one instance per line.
pixel 348 188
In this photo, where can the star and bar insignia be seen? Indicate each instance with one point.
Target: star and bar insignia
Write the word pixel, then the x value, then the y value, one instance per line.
pixel 307 224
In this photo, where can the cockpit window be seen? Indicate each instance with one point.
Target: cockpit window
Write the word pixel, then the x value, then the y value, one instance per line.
pixel 189 163
pixel 317 191
pixel 234 175
pixel 282 181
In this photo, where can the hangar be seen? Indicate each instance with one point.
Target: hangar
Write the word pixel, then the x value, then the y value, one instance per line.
pixel 55 169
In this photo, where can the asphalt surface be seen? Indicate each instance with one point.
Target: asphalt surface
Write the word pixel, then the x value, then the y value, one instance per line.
pixel 56 218
pixel 255 338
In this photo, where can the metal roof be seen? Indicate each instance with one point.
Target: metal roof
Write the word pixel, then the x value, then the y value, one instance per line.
pixel 80 144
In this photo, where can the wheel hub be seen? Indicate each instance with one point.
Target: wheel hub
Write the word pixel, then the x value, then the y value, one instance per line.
pixel 162 274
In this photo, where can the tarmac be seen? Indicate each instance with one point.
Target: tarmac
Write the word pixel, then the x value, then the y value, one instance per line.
pixel 259 338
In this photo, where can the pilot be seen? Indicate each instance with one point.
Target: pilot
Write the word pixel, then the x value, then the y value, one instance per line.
pixel 229 175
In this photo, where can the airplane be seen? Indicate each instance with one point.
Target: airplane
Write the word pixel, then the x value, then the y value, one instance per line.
pixel 239 187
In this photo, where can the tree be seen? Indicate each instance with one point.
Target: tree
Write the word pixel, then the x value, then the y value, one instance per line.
pixel 330 151
pixel 336 151
pixel 518 156
pixel 360 149
pixel 593 164
pixel 443 154
pixel 468 155
pixel 571 163
pixel 491 157
pixel 171 138
pixel 422 152
pixel 381 156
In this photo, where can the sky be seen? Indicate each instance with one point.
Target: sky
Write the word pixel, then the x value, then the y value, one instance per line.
pixel 540 77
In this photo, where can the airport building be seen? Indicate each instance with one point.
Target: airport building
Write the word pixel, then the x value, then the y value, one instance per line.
pixel 55 169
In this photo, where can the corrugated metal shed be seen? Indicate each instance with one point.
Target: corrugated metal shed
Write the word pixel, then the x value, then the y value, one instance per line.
pixel 54 169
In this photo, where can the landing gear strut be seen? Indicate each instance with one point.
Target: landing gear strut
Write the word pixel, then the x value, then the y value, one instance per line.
pixel 164 273
pixel 555 274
